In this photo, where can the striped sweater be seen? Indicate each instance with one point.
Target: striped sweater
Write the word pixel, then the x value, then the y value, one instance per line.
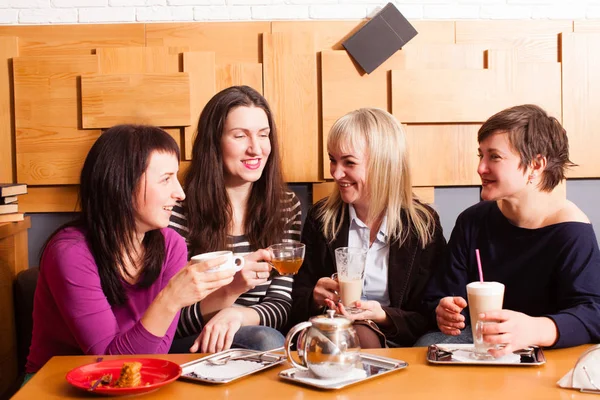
pixel 272 300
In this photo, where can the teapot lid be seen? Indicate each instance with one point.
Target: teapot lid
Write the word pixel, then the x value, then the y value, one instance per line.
pixel 330 321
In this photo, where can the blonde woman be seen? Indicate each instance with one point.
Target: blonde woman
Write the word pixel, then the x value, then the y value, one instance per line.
pixel 372 207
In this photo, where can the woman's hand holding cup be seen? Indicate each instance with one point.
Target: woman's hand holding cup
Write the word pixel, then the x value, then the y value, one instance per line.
pixel 506 331
pixel 197 280
pixel 325 289
pixel 448 315
pixel 256 271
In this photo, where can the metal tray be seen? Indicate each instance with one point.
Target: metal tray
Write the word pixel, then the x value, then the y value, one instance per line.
pixel 373 366
pixel 201 371
pixel 443 354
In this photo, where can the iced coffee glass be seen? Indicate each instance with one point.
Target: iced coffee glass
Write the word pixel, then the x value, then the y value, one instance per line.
pixel 483 297
pixel 350 262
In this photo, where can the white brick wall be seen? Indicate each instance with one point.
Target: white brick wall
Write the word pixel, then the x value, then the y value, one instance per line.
pixel 14 12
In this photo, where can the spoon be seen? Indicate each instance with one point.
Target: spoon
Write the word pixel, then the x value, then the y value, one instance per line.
pixel 225 360
pixel 105 380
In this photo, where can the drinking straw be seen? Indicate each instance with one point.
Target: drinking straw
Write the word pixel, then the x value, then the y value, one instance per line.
pixel 479 265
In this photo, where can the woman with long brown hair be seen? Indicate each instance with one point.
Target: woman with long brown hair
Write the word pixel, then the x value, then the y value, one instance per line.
pixel 236 199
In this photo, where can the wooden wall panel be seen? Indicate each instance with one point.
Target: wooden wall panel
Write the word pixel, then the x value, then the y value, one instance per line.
pixel 8 49
pixel 50 147
pixel 454 149
pixel 534 41
pixel 183 167
pixel 230 41
pixel 323 189
pixel 446 96
pixel 200 66
pixel 291 89
pixel 432 32
pixel 50 199
pixel 586 26
pixel 239 74
pixel 581 101
pixel 74 39
pixel 129 60
pixel 329 35
pixel 157 99
pixel 425 194
pixel 344 88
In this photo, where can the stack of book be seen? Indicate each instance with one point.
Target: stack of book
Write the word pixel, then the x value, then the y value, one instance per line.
pixel 9 207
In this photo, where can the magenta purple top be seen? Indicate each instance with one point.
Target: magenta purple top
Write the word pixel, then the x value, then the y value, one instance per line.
pixel 71 314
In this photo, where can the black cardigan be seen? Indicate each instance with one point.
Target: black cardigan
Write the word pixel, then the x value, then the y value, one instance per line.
pixel 409 269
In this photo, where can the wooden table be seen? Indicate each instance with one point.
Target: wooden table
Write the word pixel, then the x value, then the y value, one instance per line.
pixel 419 381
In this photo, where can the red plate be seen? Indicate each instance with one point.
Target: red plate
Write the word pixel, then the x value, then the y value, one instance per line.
pixel 155 373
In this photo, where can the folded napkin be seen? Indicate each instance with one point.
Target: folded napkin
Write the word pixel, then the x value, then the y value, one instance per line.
pixel 586 373
pixel 308 377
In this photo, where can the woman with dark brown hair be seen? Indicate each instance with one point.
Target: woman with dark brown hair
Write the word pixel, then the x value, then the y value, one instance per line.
pixel 115 280
pixel 533 240
pixel 236 199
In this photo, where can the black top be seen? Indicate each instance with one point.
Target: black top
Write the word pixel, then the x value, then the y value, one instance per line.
pixel 552 271
pixel 409 268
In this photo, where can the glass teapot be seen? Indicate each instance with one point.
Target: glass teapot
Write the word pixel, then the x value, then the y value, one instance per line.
pixel 327 345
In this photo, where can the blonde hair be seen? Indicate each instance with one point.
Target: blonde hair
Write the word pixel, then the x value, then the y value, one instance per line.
pixel 383 139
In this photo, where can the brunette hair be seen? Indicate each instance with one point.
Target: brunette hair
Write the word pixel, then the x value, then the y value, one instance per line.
pixel 109 182
pixel 207 206
pixel 532 133
pixel 388 175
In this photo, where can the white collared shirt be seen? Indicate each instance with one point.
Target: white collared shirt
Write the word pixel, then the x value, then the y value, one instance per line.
pixel 375 285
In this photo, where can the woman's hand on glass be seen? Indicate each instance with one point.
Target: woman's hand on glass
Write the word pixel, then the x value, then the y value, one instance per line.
pixel 325 289
pixel 371 309
pixel 516 331
pixel 448 315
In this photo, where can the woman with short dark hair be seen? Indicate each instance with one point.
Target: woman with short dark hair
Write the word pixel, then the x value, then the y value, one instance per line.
pixel 533 240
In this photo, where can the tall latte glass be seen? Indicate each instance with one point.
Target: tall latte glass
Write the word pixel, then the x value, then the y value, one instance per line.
pixel 483 297
pixel 350 263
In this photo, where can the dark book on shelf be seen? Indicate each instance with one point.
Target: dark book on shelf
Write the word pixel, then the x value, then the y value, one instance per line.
pixel 378 39
pixel 12 189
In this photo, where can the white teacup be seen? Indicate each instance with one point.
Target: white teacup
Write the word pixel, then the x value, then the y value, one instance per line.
pixel 234 262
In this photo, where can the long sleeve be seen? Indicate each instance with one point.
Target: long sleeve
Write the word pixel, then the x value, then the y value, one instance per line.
pixel 451 278
pixel 317 264
pixel 272 300
pixel 69 294
pixel 408 317
pixel 552 271
pixel 190 320
pixel 578 290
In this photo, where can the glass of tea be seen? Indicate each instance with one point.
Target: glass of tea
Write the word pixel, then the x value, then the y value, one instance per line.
pixel 287 257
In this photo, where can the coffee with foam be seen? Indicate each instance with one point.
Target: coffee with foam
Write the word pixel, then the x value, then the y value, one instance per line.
pixel 483 297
